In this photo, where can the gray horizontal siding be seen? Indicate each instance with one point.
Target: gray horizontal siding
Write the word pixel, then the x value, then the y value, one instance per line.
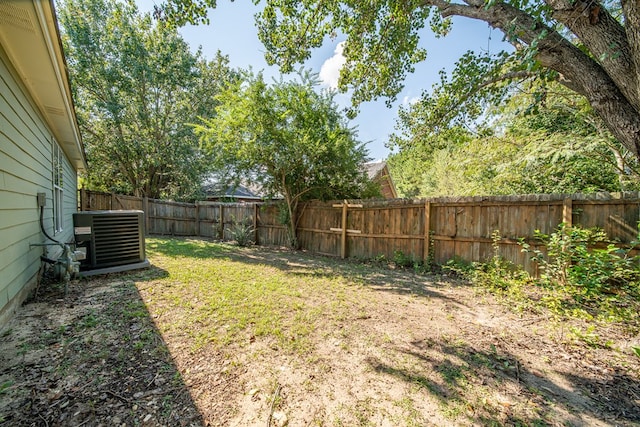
pixel 25 170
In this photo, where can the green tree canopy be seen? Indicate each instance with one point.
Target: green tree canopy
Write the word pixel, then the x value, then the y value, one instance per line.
pixel 554 145
pixel 136 86
pixel 592 47
pixel 289 139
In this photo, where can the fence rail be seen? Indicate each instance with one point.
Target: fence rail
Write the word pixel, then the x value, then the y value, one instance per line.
pixel 436 229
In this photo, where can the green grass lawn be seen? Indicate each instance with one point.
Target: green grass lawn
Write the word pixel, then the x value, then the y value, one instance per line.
pixel 229 296
pixel 359 344
pixel 215 334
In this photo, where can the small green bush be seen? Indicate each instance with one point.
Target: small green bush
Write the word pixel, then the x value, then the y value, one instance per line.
pixel 584 275
pixel 401 259
pixel 242 231
pixel 586 262
pixel 497 275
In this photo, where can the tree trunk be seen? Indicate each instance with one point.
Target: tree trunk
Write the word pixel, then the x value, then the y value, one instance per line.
pixel 606 40
pixel 293 220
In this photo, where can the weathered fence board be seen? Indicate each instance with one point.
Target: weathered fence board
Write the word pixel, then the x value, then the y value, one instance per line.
pixel 172 218
pixel 438 229
pixel 270 230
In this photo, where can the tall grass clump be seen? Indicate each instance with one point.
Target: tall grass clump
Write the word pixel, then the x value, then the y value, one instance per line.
pixel 242 232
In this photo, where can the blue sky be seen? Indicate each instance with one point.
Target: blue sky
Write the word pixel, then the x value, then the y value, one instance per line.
pixel 232 31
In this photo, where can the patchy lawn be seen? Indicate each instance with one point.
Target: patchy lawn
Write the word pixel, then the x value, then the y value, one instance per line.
pixel 218 335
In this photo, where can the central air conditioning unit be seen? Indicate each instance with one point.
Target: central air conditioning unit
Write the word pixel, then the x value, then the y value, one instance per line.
pixel 112 240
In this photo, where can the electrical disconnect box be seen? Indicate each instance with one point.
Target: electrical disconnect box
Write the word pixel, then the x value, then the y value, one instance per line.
pixel 42 199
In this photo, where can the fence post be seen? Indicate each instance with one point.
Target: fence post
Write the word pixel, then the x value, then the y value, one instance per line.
pixel 145 209
pixel 343 238
pixel 567 212
pixel 255 223
pixel 427 231
pixel 221 222
pixel 83 197
pixel 197 218
pixel 113 201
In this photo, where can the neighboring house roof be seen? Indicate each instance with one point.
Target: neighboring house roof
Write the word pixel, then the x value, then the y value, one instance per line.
pixel 379 172
pixel 240 192
pixel 374 169
pixel 30 38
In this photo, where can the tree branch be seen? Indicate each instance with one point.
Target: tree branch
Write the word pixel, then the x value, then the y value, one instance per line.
pixel 605 38
pixel 578 71
pixel 506 76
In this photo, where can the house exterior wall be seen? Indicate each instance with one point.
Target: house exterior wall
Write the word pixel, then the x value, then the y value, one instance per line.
pixel 387 188
pixel 26 168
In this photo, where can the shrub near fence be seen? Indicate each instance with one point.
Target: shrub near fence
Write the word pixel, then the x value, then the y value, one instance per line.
pixel 436 229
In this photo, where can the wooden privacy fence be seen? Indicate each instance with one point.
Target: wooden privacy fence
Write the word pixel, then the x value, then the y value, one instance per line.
pixel 436 229
pixel 205 219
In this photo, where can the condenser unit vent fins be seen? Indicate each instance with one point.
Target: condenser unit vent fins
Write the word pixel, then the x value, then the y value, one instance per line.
pixel 117 239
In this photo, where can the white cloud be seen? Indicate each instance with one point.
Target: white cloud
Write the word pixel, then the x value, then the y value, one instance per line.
pixel 410 100
pixel 330 70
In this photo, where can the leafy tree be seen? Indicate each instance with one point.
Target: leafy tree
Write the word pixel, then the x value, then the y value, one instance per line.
pixel 414 166
pixel 136 86
pixel 592 47
pixel 562 148
pixel 568 145
pixel 287 138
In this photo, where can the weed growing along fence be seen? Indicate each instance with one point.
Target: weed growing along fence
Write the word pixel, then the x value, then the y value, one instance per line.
pixel 430 230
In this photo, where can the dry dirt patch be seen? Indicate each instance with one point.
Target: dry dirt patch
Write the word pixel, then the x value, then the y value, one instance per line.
pixel 324 343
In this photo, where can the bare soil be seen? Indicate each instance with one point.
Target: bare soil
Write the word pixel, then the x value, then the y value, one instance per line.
pixel 415 350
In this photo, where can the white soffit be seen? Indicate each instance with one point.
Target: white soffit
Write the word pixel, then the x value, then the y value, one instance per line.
pixel 29 36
